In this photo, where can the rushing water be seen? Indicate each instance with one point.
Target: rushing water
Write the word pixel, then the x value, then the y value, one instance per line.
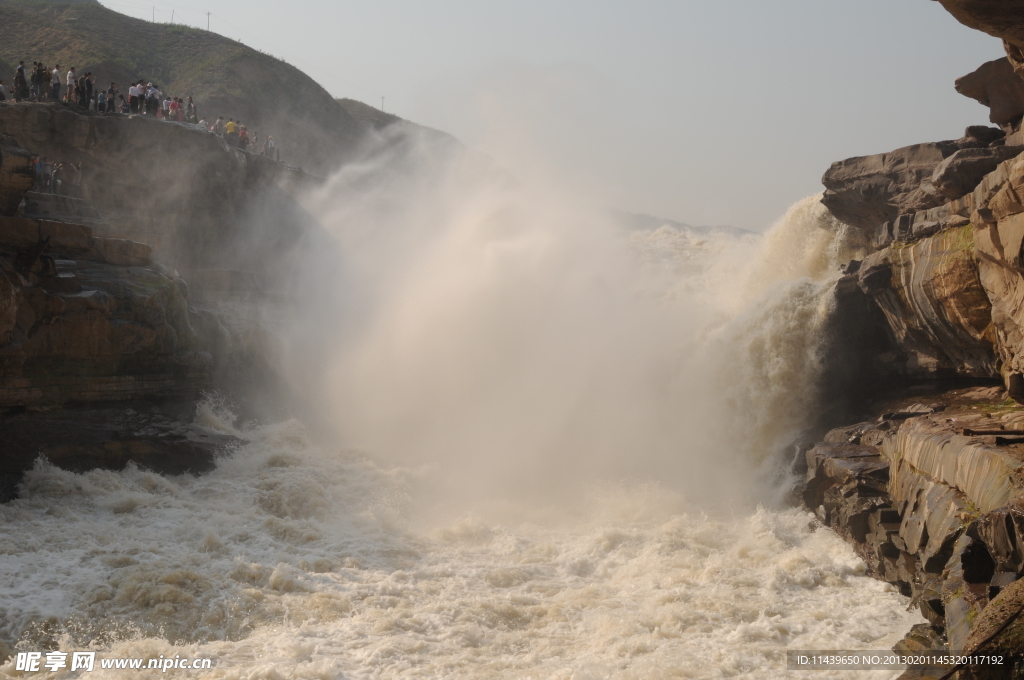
pixel 544 448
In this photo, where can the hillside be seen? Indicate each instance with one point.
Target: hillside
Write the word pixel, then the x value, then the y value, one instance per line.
pixel 224 77
pixel 368 115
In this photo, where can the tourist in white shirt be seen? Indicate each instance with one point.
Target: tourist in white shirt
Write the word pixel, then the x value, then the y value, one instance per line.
pixel 133 98
pixel 55 82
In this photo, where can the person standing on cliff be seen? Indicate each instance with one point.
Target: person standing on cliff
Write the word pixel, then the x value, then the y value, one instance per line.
pixel 133 98
pixel 56 179
pixel 33 91
pixel 20 84
pixel 80 91
pixel 111 97
pixel 190 112
pixel 76 180
pixel 55 83
pixel 72 80
pixel 47 176
pixel 152 99
pixel 218 126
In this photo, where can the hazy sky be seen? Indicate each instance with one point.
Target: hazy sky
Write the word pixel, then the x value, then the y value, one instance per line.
pixel 713 112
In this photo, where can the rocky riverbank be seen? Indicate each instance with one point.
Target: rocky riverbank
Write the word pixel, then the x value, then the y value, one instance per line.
pixel 929 486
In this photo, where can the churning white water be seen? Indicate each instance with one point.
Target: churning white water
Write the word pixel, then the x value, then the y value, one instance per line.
pixel 544 447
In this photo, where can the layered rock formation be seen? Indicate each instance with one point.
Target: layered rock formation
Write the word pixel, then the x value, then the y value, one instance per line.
pixel 931 495
pixel 104 346
pixel 930 489
pixel 868 191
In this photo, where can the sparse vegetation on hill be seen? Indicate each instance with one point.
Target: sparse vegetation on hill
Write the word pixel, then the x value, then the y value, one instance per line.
pixel 223 76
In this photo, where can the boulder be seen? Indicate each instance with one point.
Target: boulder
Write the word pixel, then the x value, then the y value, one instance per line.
pixel 24 234
pixel 123 251
pixel 995 85
pixel 984 134
pixel 962 172
pixel 66 239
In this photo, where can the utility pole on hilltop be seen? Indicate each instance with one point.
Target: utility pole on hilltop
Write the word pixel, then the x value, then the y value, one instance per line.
pixel 172 16
pixel 382 104
pixel 208 20
pixel 154 14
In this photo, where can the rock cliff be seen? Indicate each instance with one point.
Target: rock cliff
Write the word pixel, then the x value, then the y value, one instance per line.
pixel 111 322
pixel 930 488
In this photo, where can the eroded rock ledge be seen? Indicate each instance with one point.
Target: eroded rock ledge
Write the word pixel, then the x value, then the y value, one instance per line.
pixel 931 495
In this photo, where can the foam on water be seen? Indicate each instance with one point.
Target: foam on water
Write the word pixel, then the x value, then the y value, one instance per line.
pixel 293 561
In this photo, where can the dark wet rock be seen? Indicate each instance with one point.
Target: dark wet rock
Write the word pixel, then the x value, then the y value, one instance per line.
pixel 986 135
pixel 922 637
pixel 944 522
pixel 161 438
pixel 875 278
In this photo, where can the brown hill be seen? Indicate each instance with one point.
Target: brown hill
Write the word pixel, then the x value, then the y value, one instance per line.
pixel 223 76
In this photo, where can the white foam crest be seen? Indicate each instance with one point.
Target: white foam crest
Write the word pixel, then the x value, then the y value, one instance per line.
pixel 214 413
pixel 288 561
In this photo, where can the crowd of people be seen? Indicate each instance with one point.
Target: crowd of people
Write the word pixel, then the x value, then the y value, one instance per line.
pixel 41 83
